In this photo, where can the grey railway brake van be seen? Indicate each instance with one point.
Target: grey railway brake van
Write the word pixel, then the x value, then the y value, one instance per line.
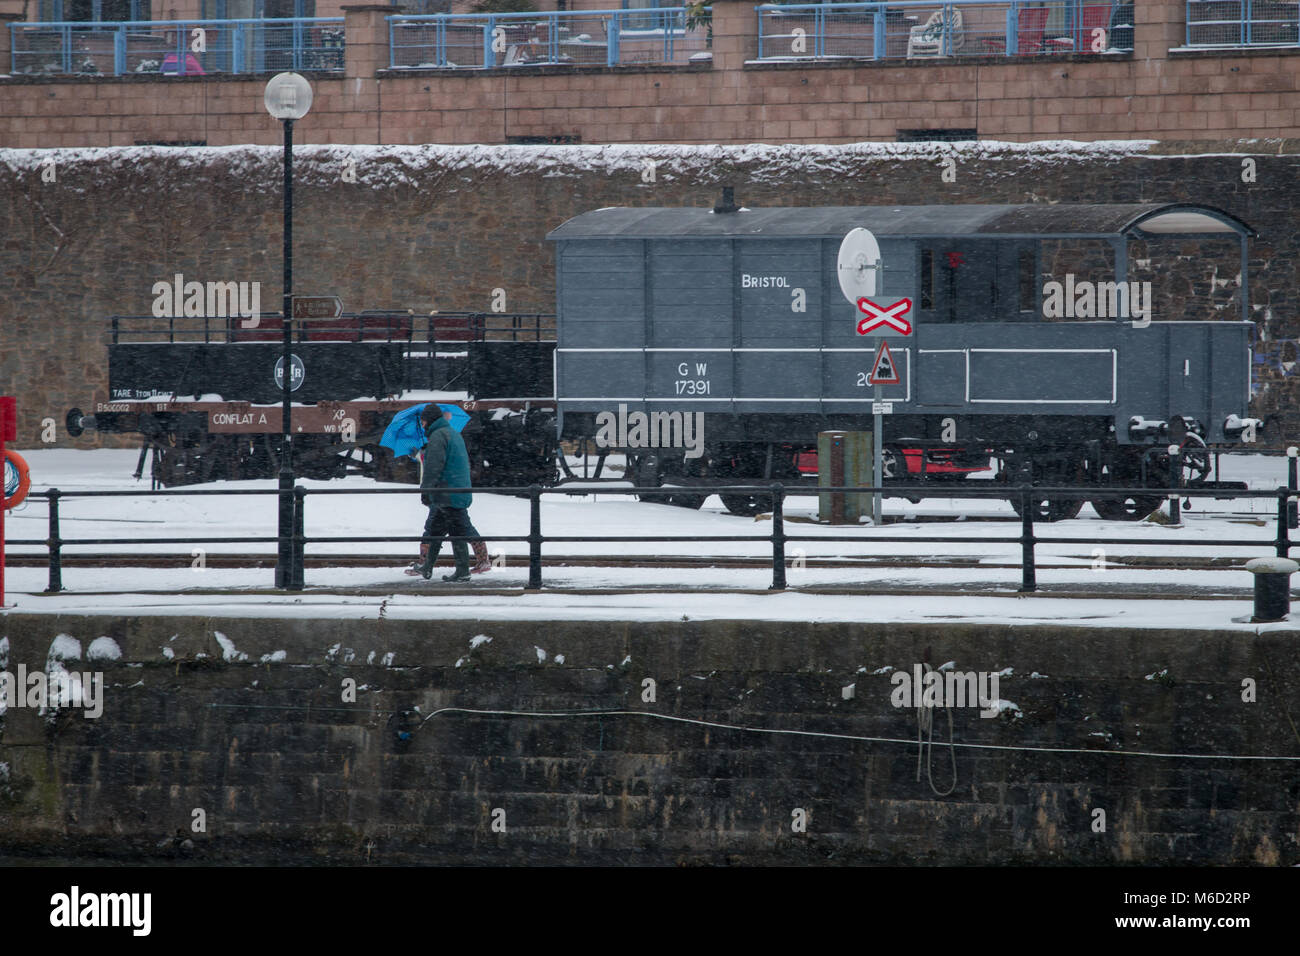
pixel 738 314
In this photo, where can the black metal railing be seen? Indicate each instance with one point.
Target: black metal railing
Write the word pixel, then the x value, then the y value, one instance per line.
pixel 369 326
pixel 1028 539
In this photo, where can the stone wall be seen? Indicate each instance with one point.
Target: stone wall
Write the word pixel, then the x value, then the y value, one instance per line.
pixel 1155 91
pixel 442 227
pixel 249 721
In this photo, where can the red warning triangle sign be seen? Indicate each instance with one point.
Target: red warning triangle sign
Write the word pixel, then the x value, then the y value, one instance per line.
pixel 884 371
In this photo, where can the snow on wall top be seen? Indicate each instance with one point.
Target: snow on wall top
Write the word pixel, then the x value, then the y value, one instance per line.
pixel 394 166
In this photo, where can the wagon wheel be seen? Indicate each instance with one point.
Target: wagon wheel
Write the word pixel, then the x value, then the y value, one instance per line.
pixel 1126 509
pixel 648 472
pixel 1046 508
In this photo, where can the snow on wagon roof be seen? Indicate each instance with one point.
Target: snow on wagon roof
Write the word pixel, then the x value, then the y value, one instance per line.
pixel 1136 220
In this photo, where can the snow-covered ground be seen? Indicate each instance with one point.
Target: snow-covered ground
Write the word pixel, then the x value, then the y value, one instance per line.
pixel 666 593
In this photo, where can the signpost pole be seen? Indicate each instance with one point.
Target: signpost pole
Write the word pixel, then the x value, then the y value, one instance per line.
pixel 877 440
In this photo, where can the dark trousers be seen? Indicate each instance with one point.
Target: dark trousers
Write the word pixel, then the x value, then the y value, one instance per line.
pixel 444 522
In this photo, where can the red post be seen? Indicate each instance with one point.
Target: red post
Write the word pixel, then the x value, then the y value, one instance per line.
pixel 8 432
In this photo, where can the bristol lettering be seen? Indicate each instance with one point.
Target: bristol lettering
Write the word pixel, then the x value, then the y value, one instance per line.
pixel 212 300
pixel 748 281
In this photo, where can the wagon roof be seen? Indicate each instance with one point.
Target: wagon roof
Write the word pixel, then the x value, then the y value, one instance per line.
pixel 1098 221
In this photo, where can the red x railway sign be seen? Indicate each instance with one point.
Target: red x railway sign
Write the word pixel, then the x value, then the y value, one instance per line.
pixel 879 315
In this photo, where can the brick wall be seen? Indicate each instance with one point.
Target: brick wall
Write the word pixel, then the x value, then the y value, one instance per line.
pixel 1152 93
pixel 441 227
pixel 287 770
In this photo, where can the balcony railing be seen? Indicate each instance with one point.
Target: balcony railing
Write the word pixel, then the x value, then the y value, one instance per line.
pixel 1242 23
pixel 916 29
pixel 177 47
pixel 653 35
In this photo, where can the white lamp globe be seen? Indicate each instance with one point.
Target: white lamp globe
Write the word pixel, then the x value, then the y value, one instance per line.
pixel 288 96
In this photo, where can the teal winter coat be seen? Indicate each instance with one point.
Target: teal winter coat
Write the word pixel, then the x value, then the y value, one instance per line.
pixel 446 465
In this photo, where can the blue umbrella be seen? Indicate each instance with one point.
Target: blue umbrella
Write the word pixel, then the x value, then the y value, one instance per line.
pixel 404 434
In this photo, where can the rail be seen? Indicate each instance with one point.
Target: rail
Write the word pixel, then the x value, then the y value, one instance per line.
pixel 919 30
pixel 177 47
pixel 1220 24
pixel 1028 538
pixel 469 41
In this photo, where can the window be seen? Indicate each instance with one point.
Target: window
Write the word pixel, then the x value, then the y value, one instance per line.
pixel 927 279
pixel 96 11
pixel 646 21
pixel 1028 274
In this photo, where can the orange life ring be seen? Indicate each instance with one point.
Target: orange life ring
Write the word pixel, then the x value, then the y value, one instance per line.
pixel 12 458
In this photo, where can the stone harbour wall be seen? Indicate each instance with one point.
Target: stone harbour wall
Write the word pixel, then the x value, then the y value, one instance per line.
pixel 249 727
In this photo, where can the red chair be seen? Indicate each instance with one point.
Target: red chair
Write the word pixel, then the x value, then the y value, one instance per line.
pixel 171 65
pixel 1030 24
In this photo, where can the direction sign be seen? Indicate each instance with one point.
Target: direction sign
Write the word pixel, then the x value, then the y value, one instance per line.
pixel 883 370
pixel 317 307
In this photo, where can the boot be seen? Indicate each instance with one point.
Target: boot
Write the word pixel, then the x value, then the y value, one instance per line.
pixel 482 562
pixel 418 563
pixel 461 554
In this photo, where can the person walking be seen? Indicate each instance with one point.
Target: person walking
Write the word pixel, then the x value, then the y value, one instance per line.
pixel 446 465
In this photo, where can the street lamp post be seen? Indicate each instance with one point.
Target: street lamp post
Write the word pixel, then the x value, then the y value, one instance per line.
pixel 288 98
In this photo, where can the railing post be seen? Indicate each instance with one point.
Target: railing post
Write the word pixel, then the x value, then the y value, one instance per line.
pixel 759 11
pixel 534 537
pixel 613 31
pixel 778 538
pixel 1028 579
pixel 1176 480
pixel 55 545
pixel 878 41
pixel 1283 531
pixel 1012 36
pixel 299 538
pixel 119 51
pixel 1293 507
pixel 489 55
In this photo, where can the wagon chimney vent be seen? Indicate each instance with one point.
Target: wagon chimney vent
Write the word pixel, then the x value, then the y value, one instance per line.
pixel 728 201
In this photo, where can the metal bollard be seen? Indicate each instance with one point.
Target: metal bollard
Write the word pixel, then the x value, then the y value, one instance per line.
pixel 1272 588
